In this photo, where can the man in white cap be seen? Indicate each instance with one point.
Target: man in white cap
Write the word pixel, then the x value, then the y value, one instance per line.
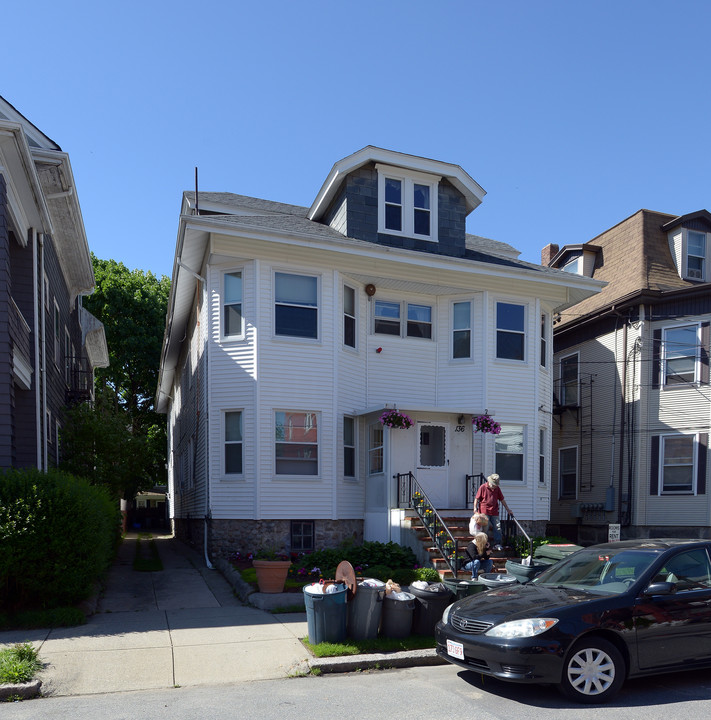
pixel 487 502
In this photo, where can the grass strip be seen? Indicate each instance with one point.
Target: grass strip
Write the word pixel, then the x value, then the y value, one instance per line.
pixel 147 560
pixel 364 647
pixel 19 664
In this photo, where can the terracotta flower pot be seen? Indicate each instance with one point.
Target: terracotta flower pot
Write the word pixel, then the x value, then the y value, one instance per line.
pixel 271 574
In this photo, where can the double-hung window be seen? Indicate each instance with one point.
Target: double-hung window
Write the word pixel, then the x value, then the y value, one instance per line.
pixel 349 446
pixel 388 316
pixel 544 339
pixel 568 472
pixel 677 463
pixel 695 255
pixel 407 203
pixel 508 446
pixel 296 305
pixel 232 305
pixel 510 331
pixel 461 330
pixel 680 354
pixel 569 381
pixel 375 449
pixel 349 316
pixel 233 443
pixel 296 442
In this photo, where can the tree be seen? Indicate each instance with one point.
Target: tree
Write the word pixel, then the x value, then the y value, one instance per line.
pixel 121 441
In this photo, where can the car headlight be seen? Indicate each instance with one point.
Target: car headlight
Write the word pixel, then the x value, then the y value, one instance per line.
pixel 530 627
pixel 445 614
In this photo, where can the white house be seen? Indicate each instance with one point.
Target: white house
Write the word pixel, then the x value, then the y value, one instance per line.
pixel 291 329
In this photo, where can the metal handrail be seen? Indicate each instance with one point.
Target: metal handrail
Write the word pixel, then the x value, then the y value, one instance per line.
pixel 418 500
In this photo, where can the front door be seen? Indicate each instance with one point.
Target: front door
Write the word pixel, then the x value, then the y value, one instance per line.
pixel 433 462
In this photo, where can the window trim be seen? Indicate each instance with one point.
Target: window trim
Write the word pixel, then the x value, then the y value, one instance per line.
pixel 498 330
pixel 316 308
pixel 522 428
pixel 694 460
pixel 687 255
pixel 353 447
pixel 373 449
pixel 403 319
pixel 697 356
pixel 454 331
pixel 543 360
pixel 542 457
pixel 561 494
pixel 409 179
pixel 57 324
pixel 347 316
pixel 307 427
pixel 563 386
pixel 225 474
pixel 223 304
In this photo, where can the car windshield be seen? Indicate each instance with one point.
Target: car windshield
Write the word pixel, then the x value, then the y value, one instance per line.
pixel 602 570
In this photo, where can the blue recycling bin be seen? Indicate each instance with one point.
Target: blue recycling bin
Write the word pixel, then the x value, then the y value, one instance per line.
pixel 326 615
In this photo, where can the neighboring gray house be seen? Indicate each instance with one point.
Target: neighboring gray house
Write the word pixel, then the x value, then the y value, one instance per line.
pixel 291 329
pixel 49 345
pixel 632 407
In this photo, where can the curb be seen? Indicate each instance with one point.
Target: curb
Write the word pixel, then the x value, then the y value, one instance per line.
pixel 24 690
pixel 406 658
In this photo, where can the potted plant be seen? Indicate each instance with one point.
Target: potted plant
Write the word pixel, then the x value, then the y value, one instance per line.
pixel 418 499
pixel 428 516
pixel 272 568
pixel 396 419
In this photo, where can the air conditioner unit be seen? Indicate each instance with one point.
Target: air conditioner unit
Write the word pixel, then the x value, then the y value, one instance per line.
pixel 694 273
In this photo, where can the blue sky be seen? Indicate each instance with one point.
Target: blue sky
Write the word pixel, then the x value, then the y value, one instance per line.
pixel 571 115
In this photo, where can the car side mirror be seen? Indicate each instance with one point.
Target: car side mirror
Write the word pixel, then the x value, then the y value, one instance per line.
pixel 660 588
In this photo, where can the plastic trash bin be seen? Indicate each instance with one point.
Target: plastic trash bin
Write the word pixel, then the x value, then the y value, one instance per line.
pixel 398 609
pixel 463 588
pixel 525 573
pixel 430 603
pixel 365 610
pixel 497 580
pixel 325 613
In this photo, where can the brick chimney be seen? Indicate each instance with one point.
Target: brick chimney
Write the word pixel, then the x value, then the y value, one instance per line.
pixel 548 253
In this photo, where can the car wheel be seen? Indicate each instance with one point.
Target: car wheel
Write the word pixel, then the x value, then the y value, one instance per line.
pixel 594 671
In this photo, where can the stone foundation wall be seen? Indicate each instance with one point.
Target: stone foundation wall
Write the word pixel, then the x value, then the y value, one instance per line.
pixel 244 536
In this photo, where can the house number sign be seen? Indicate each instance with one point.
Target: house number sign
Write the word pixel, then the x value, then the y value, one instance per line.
pixel 460 428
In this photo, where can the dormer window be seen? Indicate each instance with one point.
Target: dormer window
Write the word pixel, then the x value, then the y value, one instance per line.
pixel 407 203
pixel 696 255
pixel 574 265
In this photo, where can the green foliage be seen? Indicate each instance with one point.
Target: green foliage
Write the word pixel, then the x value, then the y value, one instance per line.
pixel 404 576
pixel 51 618
pixel 363 558
pixel 375 645
pixel 121 442
pixel 58 534
pixel 427 574
pixel 523 547
pixel 19 664
pixel 379 572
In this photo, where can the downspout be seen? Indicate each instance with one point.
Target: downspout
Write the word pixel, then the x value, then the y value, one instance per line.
pixel 43 410
pixel 201 290
pixel 38 304
pixel 623 386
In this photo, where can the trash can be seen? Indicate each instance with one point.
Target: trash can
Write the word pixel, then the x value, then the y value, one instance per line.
pixel 497 580
pixel 365 610
pixel 463 588
pixel 525 573
pixel 430 603
pixel 325 613
pixel 398 609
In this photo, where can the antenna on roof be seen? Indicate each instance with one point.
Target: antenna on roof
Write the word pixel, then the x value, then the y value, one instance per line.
pixel 197 201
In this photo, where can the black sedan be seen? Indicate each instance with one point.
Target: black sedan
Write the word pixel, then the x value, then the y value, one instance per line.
pixel 605 613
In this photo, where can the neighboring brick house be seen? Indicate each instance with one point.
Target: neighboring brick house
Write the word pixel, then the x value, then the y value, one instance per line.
pixel 290 329
pixel 632 406
pixel 49 344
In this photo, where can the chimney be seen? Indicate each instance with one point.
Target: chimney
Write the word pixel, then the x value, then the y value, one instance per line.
pixel 548 253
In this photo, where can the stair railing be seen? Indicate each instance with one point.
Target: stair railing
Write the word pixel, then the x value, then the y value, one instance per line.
pixel 411 494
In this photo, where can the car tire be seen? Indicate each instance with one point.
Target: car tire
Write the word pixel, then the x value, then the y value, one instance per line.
pixel 594 671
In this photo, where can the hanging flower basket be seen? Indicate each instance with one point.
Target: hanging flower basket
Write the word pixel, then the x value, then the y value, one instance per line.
pixel 485 424
pixel 396 419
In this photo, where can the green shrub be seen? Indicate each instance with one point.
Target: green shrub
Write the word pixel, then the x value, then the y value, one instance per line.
pixel 427 574
pixel 379 572
pixel 404 576
pixel 58 536
pixel 18 664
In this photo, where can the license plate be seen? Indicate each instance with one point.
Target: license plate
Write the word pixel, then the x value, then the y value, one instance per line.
pixel 455 649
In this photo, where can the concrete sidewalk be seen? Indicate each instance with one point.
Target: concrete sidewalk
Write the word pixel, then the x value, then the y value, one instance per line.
pixel 183 626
